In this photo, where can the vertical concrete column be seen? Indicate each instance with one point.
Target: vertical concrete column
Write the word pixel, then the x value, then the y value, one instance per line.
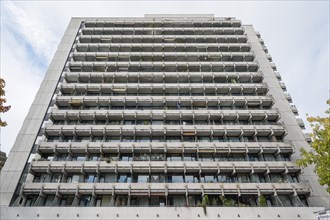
pixel 319 196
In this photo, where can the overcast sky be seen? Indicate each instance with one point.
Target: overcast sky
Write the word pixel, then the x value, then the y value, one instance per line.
pixel 295 32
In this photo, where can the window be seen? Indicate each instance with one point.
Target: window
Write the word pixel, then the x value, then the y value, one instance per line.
pixel 206 157
pixel 262 139
pixel 113 139
pixel 101 122
pixel 223 178
pixel 103 200
pixel 59 122
pixel 30 200
pixel 142 157
pixel 176 200
pixel 286 157
pixel 127 139
pixel 253 157
pixel 303 200
pixel 269 201
pixel 48 200
pixel 67 200
pixel 174 157
pixel 175 179
pixel 126 157
pixel 157 122
pixel 285 199
pixel 90 178
pixel 233 139
pixel 203 139
pixel 192 178
pixel 294 178
pixel 208 178
pixel 98 139
pixel 62 157
pixel 85 200
pixel 157 201
pixel 124 178
pixel 173 139
pixel 262 178
pixel 157 157
pixel 94 157
pixel 53 139
pixel 276 177
pixel 39 177
pixel 140 201
pixel 157 178
pixel 56 178
pixel 74 178
pixel 121 200
pixel 142 139
pixel 269 157
pixel 107 178
pixel 79 157
pixel 243 178
pixel 189 157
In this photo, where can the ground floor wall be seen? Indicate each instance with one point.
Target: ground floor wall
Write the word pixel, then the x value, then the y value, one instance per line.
pixel 27 213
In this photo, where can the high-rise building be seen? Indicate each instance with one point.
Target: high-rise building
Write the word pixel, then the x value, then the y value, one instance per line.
pixel 160 117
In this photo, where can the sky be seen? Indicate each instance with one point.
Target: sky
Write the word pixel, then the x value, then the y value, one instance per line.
pixel 296 34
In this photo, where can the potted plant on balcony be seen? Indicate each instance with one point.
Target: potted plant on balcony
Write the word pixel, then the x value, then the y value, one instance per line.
pixel 262 201
pixel 204 203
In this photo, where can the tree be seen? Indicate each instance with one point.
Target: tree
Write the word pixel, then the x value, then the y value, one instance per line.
pixel 3 108
pixel 320 148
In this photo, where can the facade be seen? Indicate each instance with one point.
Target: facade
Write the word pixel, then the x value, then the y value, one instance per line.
pixel 148 118
pixel 2 159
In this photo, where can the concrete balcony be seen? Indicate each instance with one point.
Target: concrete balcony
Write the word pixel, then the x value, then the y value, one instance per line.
pixel 68 101
pixel 258 115
pixel 164 166
pixel 278 75
pixel 151 89
pixel 265 49
pixel 294 109
pixel 162 46
pixel 301 123
pixel 273 66
pixel 161 77
pixel 185 40
pixel 308 137
pixel 162 56
pixel 288 97
pixel 162 188
pixel 163 31
pixel 163 23
pixel 160 130
pixel 162 147
pixel 269 57
pixel 162 67
pixel 283 86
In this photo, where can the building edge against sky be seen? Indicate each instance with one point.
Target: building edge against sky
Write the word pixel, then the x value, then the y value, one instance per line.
pixel 25 147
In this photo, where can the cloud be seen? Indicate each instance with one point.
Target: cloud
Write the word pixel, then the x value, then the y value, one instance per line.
pixel 23 78
pixel 31 28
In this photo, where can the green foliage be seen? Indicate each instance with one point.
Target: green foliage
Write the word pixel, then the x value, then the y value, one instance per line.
pixel 262 201
pixel 227 202
pixel 320 148
pixel 205 202
pixel 3 108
